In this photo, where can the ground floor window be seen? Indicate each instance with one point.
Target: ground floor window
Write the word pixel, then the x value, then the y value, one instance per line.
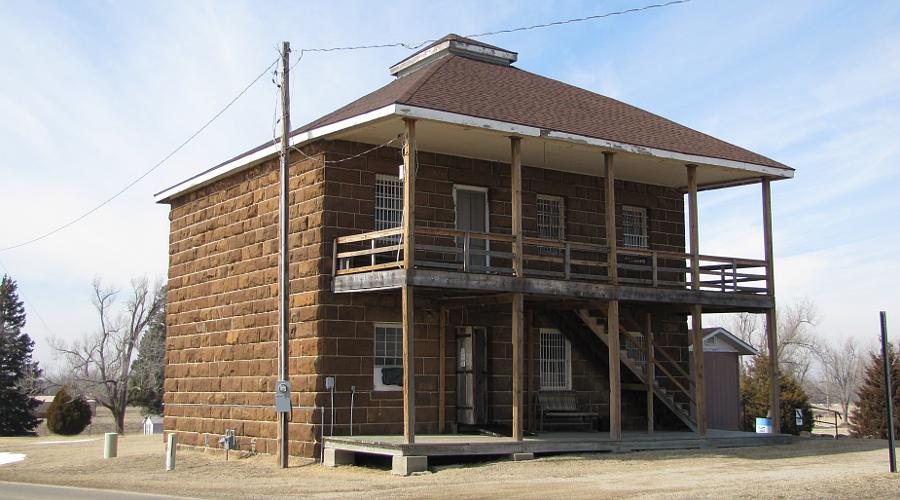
pixel 555 360
pixel 388 357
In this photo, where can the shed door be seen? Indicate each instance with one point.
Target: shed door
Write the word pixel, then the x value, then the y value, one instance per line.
pixel 471 215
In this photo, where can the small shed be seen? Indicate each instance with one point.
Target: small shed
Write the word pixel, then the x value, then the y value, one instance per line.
pixel 153 425
pixel 721 362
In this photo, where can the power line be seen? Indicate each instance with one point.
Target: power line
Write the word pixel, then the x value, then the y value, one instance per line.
pixel 418 45
pixel 146 173
pixel 406 45
pixel 29 303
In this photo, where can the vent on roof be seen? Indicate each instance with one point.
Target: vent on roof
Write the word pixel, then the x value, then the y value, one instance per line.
pixel 453 44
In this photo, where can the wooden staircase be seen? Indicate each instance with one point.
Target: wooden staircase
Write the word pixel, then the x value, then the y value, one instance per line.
pixel 665 385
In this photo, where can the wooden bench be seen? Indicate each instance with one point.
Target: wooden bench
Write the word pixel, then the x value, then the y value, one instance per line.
pixel 564 408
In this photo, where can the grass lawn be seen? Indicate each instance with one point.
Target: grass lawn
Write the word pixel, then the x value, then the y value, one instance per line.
pixel 809 468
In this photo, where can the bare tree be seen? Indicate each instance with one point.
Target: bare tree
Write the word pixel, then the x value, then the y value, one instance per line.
pixel 798 345
pixel 843 367
pixel 100 362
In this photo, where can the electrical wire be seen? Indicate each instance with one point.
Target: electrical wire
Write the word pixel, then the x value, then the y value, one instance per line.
pixel 302 52
pixel 29 303
pixel 146 173
pixel 418 45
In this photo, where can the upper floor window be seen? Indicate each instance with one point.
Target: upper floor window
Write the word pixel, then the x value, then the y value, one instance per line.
pixel 388 202
pixel 550 221
pixel 634 225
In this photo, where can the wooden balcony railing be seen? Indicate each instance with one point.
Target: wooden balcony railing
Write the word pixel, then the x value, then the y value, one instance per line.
pixel 491 253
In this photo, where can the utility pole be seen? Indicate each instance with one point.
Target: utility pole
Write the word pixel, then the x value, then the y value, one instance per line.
pixel 284 284
pixel 888 393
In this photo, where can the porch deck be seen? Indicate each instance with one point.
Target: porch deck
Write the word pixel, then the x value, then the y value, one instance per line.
pixel 547 442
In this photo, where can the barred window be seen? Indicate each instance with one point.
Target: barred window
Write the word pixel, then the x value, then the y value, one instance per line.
pixel 555 360
pixel 388 203
pixel 388 356
pixel 550 220
pixel 634 224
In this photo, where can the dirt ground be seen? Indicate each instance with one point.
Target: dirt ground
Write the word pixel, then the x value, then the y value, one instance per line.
pixel 810 468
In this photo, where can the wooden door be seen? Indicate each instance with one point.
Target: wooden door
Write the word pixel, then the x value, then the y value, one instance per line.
pixel 471 375
pixel 472 215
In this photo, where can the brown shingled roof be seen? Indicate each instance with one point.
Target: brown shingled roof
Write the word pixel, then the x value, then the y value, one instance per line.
pixel 465 86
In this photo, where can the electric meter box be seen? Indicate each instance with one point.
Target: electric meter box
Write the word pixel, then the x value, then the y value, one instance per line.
pixel 283 396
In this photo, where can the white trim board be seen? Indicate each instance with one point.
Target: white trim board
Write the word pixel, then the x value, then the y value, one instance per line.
pixel 403 110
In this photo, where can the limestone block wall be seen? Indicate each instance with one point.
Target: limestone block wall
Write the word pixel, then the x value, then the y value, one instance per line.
pixel 222 300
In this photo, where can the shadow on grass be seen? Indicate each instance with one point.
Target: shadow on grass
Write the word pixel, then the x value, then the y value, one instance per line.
pixel 800 448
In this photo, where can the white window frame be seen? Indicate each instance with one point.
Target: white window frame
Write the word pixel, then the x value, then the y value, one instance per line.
pixel 487 213
pixel 388 215
pixel 567 373
pixel 630 237
pixel 376 375
pixel 560 223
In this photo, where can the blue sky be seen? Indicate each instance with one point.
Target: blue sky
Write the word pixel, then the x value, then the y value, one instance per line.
pixel 94 93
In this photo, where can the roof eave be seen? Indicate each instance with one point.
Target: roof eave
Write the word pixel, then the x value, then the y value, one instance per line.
pixel 403 110
pixel 244 162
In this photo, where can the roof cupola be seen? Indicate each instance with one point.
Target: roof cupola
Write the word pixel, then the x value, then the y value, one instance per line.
pixel 454 44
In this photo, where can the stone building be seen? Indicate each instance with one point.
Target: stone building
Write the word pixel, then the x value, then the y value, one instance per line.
pixel 473 248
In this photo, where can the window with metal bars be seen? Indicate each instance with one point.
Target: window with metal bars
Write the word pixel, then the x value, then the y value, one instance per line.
pixel 388 356
pixel 388 204
pixel 634 225
pixel 550 221
pixel 555 361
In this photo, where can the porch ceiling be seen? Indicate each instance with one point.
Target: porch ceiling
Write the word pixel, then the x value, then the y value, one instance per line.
pixel 553 151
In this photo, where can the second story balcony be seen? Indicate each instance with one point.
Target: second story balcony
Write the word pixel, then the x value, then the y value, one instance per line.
pixel 482 262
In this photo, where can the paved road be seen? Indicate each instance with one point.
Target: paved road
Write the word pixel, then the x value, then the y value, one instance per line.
pixel 25 491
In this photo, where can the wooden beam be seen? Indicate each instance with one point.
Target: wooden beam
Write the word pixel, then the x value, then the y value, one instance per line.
pixel 615 381
pixel 409 232
pixel 442 368
pixel 699 383
pixel 529 369
pixel 409 194
pixel 651 367
pixel 516 198
pixel 771 319
pixel 609 173
pixel 518 321
pixel 693 223
pixel 409 388
pixel 478 300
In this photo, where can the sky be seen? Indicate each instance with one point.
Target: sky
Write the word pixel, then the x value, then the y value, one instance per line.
pixel 92 94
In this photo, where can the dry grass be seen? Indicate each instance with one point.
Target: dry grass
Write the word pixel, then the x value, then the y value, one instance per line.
pixel 809 468
pixel 103 422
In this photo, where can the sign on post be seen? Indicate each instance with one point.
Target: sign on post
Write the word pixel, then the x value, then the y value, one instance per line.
pixel 798 416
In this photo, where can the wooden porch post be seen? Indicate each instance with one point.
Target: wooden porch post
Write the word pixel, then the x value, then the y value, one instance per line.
pixel 516 200
pixel 610 192
pixel 442 369
pixel 518 303
pixel 409 204
pixel 615 381
pixel 529 370
pixel 699 380
pixel 771 324
pixel 612 311
pixel 651 367
pixel 696 309
pixel 694 222
pixel 518 320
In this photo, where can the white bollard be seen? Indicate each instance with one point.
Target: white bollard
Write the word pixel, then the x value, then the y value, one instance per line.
pixel 110 445
pixel 170 452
